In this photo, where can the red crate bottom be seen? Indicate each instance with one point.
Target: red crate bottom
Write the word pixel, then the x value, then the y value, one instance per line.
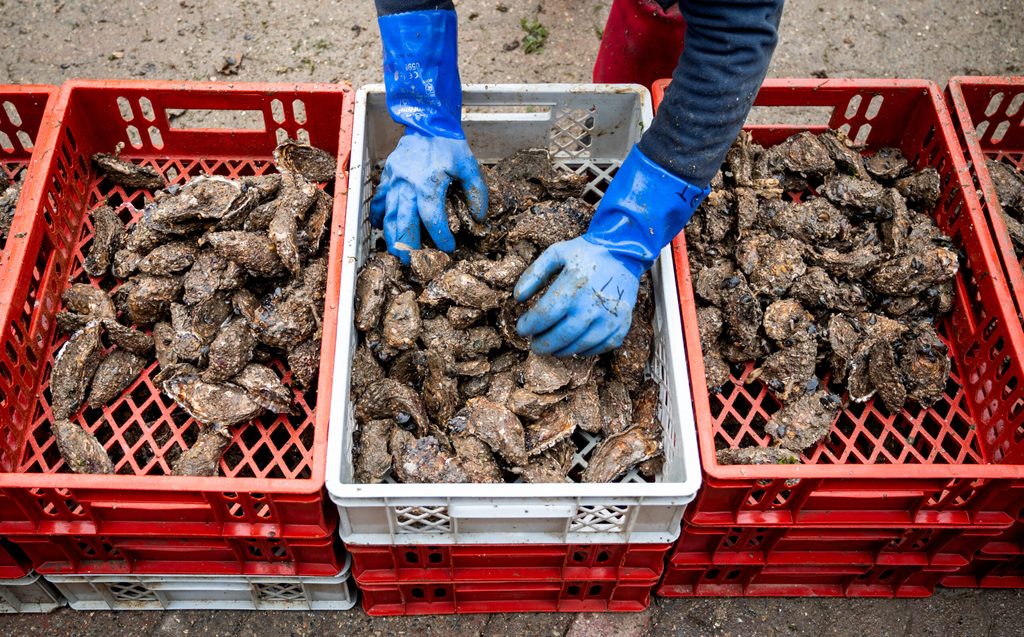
pixel 507 562
pixel 92 554
pixel 840 546
pixel 991 568
pixel 447 598
pixel 802 580
pixel 13 564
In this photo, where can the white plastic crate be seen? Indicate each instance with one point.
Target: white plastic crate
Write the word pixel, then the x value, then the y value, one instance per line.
pixel 29 594
pixel 589 128
pixel 206 592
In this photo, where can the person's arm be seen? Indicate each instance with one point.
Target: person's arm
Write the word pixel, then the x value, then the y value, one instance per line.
pixel 424 93
pixel 588 309
pixel 729 44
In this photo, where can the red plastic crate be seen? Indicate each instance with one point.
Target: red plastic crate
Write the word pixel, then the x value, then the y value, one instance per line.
pixel 273 470
pixel 153 555
pixel 517 596
pixel 991 568
pixel 13 564
pixel 506 562
pixel 989 116
pixel 955 464
pixel 21 112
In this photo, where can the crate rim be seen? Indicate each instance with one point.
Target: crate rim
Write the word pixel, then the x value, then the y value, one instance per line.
pixel 397 494
pixel 974 152
pixel 31 198
pixel 973 208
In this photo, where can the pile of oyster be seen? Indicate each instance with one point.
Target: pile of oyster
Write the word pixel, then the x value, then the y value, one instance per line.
pixel 823 267
pixel 445 390
pixel 1009 186
pixel 10 190
pixel 215 280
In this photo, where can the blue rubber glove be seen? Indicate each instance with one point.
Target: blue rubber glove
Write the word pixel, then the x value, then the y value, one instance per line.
pixel 424 93
pixel 588 309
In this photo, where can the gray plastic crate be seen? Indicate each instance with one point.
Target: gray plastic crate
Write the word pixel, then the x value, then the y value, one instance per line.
pixel 29 594
pixel 206 592
pixel 588 128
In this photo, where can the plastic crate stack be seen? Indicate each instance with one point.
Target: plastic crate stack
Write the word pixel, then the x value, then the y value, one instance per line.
pixel 889 505
pixel 262 534
pixel 21 112
pixel 989 117
pixel 470 548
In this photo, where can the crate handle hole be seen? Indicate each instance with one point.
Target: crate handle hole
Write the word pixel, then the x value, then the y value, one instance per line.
pixel 1015 104
pixel 573 590
pixel 219 119
pixel 277 111
pixel 993 104
pixel 418 593
pixel 853 106
pixel 440 593
pixel 595 590
pixel 299 111
pixel 997 136
pixel 862 135
pixel 147 109
pixel 411 557
pixel 133 136
pixel 434 558
pixel 155 137
pixel 874 106
pixel 603 556
pixel 578 556
pixel 125 108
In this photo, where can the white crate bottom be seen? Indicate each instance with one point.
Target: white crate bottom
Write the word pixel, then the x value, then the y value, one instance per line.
pixel 588 129
pixel 29 594
pixel 202 592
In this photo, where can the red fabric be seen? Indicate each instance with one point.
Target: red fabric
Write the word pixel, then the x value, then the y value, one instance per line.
pixel 641 43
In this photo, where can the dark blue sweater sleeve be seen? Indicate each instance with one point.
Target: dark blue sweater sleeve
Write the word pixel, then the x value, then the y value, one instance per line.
pixel 729 44
pixel 389 7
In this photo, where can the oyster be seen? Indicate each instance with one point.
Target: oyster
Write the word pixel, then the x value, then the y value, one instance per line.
pixel 150 298
pixel 84 299
pixel 544 374
pixel 461 288
pixel 757 455
pixel 530 405
pixel 427 264
pixel 915 272
pixel 163 341
pixel 391 399
pixel 925 365
pixel 371 294
pixel 366 371
pixel 921 189
pixel 213 404
pixel 208 275
pixel 476 459
pixel 440 391
pixel 496 425
pixel 887 164
pixel 254 252
pixel 113 375
pixel 265 388
pixel 618 453
pixel 203 458
pixel 553 426
pixel 462 317
pixel 402 321
pixel 127 338
pixel 616 408
pixel 108 232
pixel 545 224
pixel 230 351
pixel 310 162
pixel 371 457
pixel 1009 185
pixel 304 362
pixel 803 422
pixel 81 451
pixel 423 460
pixel 295 198
pixel 169 258
pixel 125 173
pixel 73 369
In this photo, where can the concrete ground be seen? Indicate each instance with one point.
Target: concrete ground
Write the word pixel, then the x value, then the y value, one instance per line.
pixel 53 40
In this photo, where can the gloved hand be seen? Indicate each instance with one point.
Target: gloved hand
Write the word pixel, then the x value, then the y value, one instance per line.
pixel 424 93
pixel 588 309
